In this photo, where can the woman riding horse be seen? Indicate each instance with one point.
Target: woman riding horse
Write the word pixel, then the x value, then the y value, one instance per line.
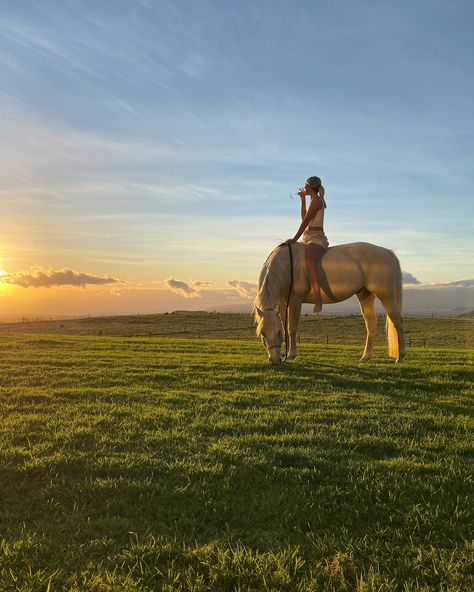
pixel 311 228
pixel 294 274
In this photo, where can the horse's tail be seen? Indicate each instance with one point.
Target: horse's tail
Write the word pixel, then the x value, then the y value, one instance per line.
pixel 392 335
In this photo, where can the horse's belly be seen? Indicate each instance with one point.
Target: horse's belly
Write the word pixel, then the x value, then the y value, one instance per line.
pixel 331 298
pixel 336 284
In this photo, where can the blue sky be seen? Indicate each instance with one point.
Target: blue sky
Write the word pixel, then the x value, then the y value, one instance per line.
pixel 145 140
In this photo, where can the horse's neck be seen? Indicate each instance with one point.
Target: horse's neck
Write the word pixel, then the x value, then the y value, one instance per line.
pixel 275 281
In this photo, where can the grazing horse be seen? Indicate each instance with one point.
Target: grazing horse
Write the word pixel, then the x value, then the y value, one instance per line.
pixel 363 269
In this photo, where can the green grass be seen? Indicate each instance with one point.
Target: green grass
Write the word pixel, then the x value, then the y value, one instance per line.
pixel 144 464
pixel 334 330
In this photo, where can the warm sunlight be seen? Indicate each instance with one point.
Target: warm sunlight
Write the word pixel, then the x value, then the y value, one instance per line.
pixel 4 286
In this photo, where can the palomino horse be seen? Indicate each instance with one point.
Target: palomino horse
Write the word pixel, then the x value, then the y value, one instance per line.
pixel 363 269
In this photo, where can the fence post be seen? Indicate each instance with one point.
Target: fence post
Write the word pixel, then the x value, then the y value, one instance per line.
pixel 327 339
pixel 424 342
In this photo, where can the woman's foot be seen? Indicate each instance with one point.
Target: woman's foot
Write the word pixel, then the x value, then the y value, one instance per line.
pixel 318 307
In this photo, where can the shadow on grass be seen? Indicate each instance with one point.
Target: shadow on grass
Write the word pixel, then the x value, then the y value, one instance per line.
pixel 222 488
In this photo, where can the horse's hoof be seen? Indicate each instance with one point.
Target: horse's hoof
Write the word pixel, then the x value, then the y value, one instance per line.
pixel 291 356
pixel 365 358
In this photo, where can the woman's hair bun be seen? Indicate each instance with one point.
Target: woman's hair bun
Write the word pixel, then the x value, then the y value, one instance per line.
pixel 313 182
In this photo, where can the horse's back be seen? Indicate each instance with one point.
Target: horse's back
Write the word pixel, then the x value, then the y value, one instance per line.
pixel 346 269
pixel 360 253
pixel 379 266
pixel 359 250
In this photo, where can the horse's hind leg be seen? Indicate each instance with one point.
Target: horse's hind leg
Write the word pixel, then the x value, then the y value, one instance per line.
pixel 396 342
pixel 366 303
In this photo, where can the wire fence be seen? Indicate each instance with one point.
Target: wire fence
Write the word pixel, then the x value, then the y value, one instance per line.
pixel 248 333
pixel 325 330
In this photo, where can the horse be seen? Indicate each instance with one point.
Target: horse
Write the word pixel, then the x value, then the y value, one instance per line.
pixel 366 270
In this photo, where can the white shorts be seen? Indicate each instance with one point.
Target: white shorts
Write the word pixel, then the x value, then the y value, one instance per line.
pixel 315 237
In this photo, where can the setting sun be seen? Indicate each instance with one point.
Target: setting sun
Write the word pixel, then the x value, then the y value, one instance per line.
pixel 2 272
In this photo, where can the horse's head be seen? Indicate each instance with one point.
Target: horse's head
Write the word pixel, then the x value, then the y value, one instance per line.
pixel 270 331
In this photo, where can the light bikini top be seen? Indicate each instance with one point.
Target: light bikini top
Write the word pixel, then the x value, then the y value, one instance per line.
pixel 318 218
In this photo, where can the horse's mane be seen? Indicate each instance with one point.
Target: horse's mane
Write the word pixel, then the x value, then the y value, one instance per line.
pixel 274 271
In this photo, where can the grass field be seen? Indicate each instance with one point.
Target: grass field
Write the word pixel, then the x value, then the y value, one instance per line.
pixel 143 464
pixel 326 329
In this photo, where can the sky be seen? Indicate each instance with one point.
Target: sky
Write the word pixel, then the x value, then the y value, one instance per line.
pixel 148 147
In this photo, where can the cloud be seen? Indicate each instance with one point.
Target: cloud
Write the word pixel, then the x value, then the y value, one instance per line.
pixel 408 278
pixel 49 278
pixel 410 281
pixel 245 289
pixel 463 283
pixel 469 283
pixel 203 284
pixel 182 288
pixel 455 284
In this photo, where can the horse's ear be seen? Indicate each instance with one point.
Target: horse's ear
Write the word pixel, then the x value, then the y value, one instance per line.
pixel 258 312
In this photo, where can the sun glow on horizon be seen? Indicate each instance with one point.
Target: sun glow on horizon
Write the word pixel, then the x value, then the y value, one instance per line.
pixel 5 287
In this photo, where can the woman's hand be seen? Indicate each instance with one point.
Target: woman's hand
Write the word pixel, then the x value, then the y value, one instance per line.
pixel 301 192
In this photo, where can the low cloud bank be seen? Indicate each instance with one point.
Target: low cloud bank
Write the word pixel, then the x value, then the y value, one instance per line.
pixel 245 289
pixel 49 278
pixel 182 288
pixel 456 284
pixel 192 289
pixel 409 279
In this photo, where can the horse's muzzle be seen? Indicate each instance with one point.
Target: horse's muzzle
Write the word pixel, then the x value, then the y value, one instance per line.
pixel 274 358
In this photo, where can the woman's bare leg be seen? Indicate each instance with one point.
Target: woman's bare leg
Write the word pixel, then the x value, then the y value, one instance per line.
pixel 313 254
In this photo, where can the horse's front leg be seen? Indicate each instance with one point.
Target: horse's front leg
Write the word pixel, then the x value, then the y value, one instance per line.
pixel 294 313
